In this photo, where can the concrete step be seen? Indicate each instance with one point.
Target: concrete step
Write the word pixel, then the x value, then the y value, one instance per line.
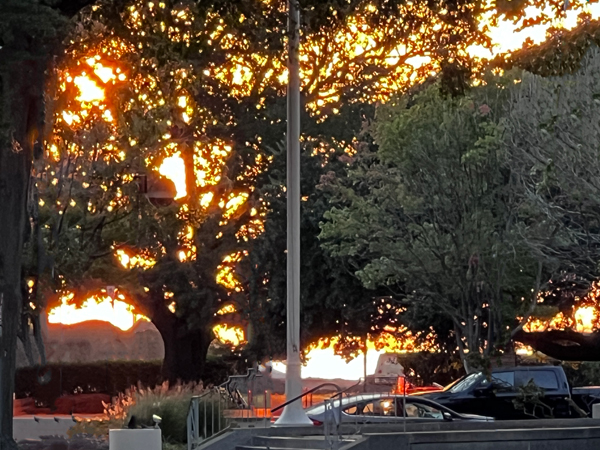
pixel 260 447
pixel 296 443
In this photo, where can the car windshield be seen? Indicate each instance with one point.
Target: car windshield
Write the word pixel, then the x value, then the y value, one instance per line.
pixel 464 384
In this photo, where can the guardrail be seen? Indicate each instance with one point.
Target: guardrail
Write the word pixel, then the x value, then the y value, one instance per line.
pixel 206 416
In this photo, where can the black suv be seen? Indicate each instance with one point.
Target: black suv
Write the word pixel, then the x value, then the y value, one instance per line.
pixel 493 394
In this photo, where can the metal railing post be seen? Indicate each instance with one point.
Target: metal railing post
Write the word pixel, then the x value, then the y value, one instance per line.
pixel 404 402
pixel 190 426
pixel 205 431
pixel 326 421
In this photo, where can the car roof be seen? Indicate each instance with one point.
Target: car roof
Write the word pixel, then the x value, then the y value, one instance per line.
pixel 378 395
pixel 519 368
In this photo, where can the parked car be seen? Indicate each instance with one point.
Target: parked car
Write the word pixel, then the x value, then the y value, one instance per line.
pixel 386 408
pixel 495 394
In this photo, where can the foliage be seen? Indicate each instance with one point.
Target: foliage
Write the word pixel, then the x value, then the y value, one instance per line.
pixel 333 303
pixel 109 377
pixel 554 159
pixel 203 81
pixel 426 368
pixel 171 404
pixel 174 446
pixel 478 208
pixel 582 374
pixel 561 54
pixel 29 35
pixel 529 399
pixel 428 212
pixel 94 428
pixel 438 30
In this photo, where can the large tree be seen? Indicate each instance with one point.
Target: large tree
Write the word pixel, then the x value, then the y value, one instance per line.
pixel 335 306
pixel 206 82
pixel 431 213
pixel 553 142
pixel 482 208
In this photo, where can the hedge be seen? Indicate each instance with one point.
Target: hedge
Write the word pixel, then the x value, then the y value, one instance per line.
pixel 46 384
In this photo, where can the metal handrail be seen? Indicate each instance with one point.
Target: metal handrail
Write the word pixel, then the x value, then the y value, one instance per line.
pixel 310 391
pixel 360 380
pixel 227 391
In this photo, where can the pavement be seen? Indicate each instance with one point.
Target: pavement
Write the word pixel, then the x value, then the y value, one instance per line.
pixel 34 427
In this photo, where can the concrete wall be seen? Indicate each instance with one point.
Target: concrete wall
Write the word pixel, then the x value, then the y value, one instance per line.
pixel 554 434
pixel 507 439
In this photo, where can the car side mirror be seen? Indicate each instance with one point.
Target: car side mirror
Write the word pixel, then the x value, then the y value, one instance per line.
pixel 447 416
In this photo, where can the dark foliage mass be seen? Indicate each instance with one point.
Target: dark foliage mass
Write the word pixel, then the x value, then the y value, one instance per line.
pixel 47 384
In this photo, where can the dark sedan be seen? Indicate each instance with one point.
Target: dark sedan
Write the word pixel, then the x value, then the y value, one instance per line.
pixel 386 408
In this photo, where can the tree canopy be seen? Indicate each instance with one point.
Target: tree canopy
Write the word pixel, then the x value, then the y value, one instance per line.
pixel 201 85
pixel 473 207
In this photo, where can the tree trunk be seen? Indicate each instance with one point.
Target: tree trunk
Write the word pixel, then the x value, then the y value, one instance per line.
pixel 22 89
pixel 185 350
pixel 13 182
pixel 29 39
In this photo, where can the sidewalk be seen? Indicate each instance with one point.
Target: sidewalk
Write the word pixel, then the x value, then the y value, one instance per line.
pixel 33 427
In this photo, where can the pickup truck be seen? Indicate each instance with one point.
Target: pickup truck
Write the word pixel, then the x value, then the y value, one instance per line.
pixel 493 394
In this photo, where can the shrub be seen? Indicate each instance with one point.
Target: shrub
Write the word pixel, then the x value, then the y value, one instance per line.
pixel 583 374
pixel 94 428
pixel 170 403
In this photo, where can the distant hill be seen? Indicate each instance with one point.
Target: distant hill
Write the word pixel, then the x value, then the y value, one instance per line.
pixel 98 341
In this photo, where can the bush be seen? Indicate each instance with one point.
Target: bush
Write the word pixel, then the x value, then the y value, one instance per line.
pixel 583 374
pixel 170 404
pixel 94 428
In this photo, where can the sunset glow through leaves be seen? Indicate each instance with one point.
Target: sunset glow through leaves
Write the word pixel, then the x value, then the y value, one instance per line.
pixel 95 77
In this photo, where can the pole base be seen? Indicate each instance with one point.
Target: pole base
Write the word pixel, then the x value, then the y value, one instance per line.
pixel 293 416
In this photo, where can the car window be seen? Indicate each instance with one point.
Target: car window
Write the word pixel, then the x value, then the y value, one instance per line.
pixel 546 379
pixel 502 381
pixel 504 378
pixel 320 408
pixel 351 410
pixel 369 409
pixel 423 411
pixel 387 407
pixel 466 383
pixel 379 407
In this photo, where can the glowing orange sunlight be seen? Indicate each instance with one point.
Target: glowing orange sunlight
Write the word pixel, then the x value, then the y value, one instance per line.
pixel 173 168
pixel 90 91
pixel 584 318
pixel 117 312
pixel 229 335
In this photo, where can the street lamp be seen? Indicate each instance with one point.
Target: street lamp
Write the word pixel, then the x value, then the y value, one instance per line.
pixel 160 191
pixel 293 414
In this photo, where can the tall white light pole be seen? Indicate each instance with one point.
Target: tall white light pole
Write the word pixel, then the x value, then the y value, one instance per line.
pixel 293 414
